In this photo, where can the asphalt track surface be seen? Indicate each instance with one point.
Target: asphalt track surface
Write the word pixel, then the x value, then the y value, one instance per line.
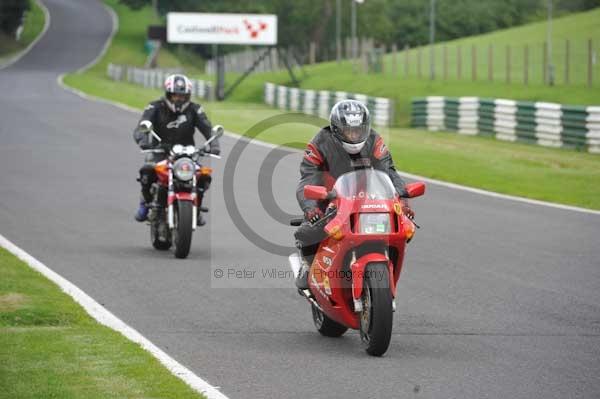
pixel 498 299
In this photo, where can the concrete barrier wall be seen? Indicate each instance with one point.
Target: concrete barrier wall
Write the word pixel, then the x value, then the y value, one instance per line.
pixel 155 78
pixel 319 103
pixel 542 123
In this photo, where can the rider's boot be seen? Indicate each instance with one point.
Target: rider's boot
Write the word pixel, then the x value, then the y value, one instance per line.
pixel 302 278
pixel 142 213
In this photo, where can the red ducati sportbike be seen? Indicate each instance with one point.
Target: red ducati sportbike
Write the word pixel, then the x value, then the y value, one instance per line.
pixel 173 213
pixel 353 276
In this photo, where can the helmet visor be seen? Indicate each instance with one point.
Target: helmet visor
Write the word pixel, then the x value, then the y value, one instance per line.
pixel 355 134
pixel 179 99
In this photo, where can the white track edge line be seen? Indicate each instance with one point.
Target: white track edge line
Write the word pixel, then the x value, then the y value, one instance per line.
pixel 97 311
pixel 115 28
pixel 448 184
pixel 26 50
pixel 106 318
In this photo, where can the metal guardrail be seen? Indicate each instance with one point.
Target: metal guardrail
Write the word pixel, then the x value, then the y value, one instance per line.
pixel 154 78
pixel 315 102
pixel 542 123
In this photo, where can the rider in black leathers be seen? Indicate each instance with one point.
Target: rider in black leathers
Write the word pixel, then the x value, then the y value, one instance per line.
pixel 347 144
pixel 174 119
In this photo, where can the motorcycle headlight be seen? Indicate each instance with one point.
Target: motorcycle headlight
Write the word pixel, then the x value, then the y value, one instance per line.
pixel 374 223
pixel 184 169
pixel 177 149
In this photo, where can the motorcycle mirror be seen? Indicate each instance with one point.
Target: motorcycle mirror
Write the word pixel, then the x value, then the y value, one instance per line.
pixel 145 126
pixel 218 131
pixel 415 189
pixel 315 192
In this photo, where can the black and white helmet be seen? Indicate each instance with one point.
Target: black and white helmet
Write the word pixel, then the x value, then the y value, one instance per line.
pixel 178 84
pixel 351 123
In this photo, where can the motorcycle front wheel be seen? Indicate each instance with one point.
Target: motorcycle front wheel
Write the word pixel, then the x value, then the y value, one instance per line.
pixel 377 314
pixel 182 231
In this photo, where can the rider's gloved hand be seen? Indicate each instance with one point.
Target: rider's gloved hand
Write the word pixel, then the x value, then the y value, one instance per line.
pixel 215 150
pixel 313 215
pixel 407 210
pixel 146 146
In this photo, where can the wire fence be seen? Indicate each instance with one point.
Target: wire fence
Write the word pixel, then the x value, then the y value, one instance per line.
pixel 571 62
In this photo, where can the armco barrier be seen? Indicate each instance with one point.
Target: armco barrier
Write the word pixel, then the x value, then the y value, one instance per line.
pixel 319 103
pixel 542 123
pixel 154 78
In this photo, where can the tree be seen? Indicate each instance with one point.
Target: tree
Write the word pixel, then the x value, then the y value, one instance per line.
pixel 387 21
pixel 11 15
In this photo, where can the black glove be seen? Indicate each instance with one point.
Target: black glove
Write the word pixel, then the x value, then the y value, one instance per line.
pixel 215 150
pixel 313 215
pixel 146 146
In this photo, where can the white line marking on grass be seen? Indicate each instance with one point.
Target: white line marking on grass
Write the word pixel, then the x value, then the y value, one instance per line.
pixel 499 195
pixel 105 317
pixel 447 184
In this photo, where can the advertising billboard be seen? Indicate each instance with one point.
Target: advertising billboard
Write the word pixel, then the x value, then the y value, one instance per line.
pixel 204 28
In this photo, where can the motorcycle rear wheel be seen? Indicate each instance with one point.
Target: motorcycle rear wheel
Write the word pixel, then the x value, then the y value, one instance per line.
pixel 325 325
pixel 182 232
pixel 377 315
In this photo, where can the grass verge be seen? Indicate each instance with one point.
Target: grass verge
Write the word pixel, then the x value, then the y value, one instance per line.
pixel 51 348
pixel 554 175
pixel 34 24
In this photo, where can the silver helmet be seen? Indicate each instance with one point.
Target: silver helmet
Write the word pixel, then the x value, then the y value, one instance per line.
pixel 350 122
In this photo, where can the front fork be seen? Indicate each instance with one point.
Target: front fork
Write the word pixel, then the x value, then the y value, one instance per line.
pixel 171 201
pixel 194 203
pixel 358 274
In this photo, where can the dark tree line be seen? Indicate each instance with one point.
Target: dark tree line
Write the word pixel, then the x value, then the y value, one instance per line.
pixel 11 15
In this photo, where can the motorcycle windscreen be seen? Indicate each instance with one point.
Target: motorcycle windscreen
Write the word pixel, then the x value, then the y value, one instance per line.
pixel 365 184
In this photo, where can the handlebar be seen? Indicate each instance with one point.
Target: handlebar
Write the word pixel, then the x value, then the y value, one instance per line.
pixel 199 152
pixel 217 130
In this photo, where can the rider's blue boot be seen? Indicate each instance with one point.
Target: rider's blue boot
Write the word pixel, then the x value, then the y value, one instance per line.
pixel 142 212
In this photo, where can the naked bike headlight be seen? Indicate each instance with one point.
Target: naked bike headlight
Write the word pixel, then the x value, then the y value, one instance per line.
pixel 374 223
pixel 184 169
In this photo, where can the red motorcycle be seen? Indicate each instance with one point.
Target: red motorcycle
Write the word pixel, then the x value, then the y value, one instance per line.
pixel 353 276
pixel 173 213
